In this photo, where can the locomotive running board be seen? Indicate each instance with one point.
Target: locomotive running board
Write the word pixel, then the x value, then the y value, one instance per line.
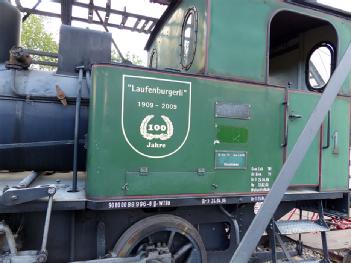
pixel 286 174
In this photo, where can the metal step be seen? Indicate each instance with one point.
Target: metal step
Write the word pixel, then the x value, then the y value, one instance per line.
pixel 300 226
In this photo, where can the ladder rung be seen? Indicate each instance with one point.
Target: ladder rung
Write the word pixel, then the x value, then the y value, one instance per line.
pixel 299 227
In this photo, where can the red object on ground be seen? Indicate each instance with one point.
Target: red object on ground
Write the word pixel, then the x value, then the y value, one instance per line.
pixel 341 223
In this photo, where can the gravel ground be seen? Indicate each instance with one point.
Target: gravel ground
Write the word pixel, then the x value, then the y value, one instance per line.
pixel 307 253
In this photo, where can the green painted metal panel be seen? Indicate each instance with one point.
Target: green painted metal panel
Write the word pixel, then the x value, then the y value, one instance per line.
pixel 303 103
pixel 117 167
pixel 238 36
pixel 163 183
pixel 167 43
pixel 120 162
pixel 335 159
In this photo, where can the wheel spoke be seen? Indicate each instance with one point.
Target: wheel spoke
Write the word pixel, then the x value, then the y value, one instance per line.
pixel 169 235
pixel 193 255
pixel 170 239
pixel 182 251
pixel 150 239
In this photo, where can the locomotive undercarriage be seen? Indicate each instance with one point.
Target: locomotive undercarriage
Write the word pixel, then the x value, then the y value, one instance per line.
pixel 79 233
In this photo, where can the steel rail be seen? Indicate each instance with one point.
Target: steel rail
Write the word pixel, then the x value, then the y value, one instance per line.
pixel 281 184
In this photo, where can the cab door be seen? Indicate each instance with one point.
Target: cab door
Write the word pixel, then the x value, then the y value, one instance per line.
pixel 335 152
pixel 315 170
pixel 300 106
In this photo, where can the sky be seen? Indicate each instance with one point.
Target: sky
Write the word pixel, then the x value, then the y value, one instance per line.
pixel 341 4
pixel 128 41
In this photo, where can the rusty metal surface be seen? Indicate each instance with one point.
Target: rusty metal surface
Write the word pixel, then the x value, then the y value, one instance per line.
pixel 337 240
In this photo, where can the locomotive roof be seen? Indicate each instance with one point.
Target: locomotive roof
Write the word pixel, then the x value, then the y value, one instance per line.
pixel 171 7
pixel 311 4
pixel 322 7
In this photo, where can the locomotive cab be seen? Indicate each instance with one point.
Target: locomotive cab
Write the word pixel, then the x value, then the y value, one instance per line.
pixel 284 46
pixel 303 56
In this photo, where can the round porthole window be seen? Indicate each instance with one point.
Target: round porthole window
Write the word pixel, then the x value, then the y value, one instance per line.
pixel 189 38
pixel 320 66
pixel 153 59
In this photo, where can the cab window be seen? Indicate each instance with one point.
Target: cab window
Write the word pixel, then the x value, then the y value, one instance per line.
pixel 188 38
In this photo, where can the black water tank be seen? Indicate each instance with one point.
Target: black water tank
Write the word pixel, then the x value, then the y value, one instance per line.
pixel 10 28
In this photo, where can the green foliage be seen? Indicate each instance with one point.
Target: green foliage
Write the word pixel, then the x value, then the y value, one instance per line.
pixel 136 60
pixel 35 37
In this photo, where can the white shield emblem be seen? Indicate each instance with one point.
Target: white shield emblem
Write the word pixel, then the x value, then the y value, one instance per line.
pixel 155 115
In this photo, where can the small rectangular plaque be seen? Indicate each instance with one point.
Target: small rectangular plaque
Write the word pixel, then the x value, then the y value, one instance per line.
pixel 231 134
pixel 232 110
pixel 230 159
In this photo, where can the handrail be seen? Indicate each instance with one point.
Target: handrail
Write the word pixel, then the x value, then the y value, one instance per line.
pixel 328 133
pixel 76 130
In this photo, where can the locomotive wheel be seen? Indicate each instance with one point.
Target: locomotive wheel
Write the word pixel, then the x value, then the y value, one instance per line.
pixel 176 234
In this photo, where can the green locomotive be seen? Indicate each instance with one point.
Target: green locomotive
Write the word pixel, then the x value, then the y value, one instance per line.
pixel 247 94
pixel 181 154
